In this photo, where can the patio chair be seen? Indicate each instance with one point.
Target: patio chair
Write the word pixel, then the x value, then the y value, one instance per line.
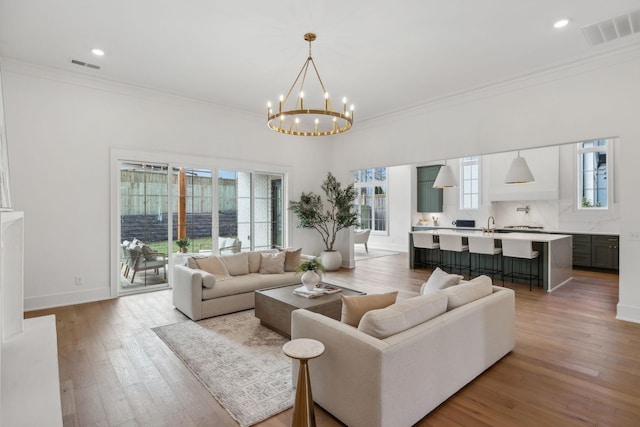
pixel 142 258
pixel 362 237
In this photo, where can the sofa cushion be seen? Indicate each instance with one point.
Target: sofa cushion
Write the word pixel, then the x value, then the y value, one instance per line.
pixel 466 292
pixel 254 261
pixel 272 263
pixel 255 258
pixel 355 306
pixel 439 280
pixel 405 314
pixel 192 261
pixel 212 265
pixel 248 283
pixel 292 259
pixel 237 264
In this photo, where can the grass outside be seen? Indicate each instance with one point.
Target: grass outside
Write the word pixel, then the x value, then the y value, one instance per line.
pixel 196 245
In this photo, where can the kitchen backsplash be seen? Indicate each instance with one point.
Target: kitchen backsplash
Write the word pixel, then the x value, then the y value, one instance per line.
pixel 551 215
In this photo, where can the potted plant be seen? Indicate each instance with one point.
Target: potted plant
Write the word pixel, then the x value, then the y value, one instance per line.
pixel 183 244
pixel 339 214
pixel 311 275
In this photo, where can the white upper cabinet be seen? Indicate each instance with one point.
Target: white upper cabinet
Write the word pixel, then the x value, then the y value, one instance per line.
pixel 544 164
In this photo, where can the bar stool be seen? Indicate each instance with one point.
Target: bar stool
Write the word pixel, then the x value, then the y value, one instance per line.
pixel 422 240
pixel 484 245
pixel 453 243
pixel 521 249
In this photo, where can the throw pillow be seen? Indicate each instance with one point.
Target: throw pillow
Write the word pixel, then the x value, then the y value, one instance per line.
pixel 272 263
pixel 211 265
pixel 467 292
pixel 355 306
pixel 292 259
pixel 439 280
pixel 148 253
pixel 254 261
pixel 237 264
pixel 208 280
pixel 398 317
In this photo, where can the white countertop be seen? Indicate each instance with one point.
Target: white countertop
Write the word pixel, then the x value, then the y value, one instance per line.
pixel 514 230
pixel 534 237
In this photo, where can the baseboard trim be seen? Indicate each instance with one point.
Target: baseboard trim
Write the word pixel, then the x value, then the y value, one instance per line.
pixel 67 298
pixel 628 313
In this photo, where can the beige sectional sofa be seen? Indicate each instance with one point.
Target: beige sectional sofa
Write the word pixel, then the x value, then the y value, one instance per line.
pixel 225 284
pixel 367 381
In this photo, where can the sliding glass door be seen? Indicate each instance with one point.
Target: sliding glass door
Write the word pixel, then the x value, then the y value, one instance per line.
pixel 163 203
pixel 192 191
pixel 144 243
pixel 250 209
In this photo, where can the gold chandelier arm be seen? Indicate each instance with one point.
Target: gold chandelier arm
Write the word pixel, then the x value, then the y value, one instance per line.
pixel 304 67
pixel 317 74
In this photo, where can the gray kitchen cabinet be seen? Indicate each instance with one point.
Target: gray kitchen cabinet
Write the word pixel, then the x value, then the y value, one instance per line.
pixel 605 251
pixel 582 250
pixel 429 198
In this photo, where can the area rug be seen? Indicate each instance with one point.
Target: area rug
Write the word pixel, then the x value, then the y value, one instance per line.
pixel 361 254
pixel 238 360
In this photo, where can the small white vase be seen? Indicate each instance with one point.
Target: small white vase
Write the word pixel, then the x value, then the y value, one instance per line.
pixel 310 279
pixel 331 260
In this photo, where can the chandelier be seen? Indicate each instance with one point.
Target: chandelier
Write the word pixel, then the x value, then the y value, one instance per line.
pixel 295 117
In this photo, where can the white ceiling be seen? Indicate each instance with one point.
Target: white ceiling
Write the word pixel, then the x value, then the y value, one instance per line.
pixel 384 56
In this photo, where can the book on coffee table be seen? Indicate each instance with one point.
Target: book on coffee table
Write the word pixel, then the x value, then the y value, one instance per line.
pixel 327 288
pixel 304 292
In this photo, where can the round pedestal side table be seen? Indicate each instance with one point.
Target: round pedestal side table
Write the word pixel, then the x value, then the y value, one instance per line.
pixel 303 349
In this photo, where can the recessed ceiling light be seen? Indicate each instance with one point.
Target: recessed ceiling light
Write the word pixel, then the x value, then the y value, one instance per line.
pixel 97 52
pixel 561 23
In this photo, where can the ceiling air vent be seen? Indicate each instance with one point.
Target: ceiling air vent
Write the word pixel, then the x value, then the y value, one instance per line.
pixel 612 29
pixel 85 64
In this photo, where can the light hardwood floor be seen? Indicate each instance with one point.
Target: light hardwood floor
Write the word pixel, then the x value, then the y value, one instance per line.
pixel 574 364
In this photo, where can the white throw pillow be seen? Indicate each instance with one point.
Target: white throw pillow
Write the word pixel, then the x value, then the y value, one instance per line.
pixel 272 263
pixel 439 280
pixel 405 314
pixel 208 279
pixel 472 290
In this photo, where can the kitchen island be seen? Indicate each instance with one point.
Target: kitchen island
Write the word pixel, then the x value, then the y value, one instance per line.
pixel 555 251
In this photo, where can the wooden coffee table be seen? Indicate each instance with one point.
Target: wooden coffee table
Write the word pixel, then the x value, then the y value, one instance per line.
pixel 274 306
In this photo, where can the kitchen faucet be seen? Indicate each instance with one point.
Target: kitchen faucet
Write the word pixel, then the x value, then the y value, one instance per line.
pixel 491 218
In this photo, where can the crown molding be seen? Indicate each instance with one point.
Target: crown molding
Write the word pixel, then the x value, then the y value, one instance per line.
pixel 565 70
pixel 11 65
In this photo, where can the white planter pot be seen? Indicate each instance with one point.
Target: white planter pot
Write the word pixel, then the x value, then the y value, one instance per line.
pixel 310 279
pixel 331 260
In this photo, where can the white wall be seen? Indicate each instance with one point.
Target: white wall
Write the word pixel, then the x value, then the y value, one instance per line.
pixel 597 98
pixel 399 205
pixel 61 128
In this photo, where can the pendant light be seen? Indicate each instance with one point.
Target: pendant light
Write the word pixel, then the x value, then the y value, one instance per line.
pixel 519 172
pixel 445 178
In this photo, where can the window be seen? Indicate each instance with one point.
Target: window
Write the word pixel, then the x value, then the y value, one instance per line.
pixel 470 179
pixel 217 209
pixel 251 206
pixel 371 198
pixel 593 173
